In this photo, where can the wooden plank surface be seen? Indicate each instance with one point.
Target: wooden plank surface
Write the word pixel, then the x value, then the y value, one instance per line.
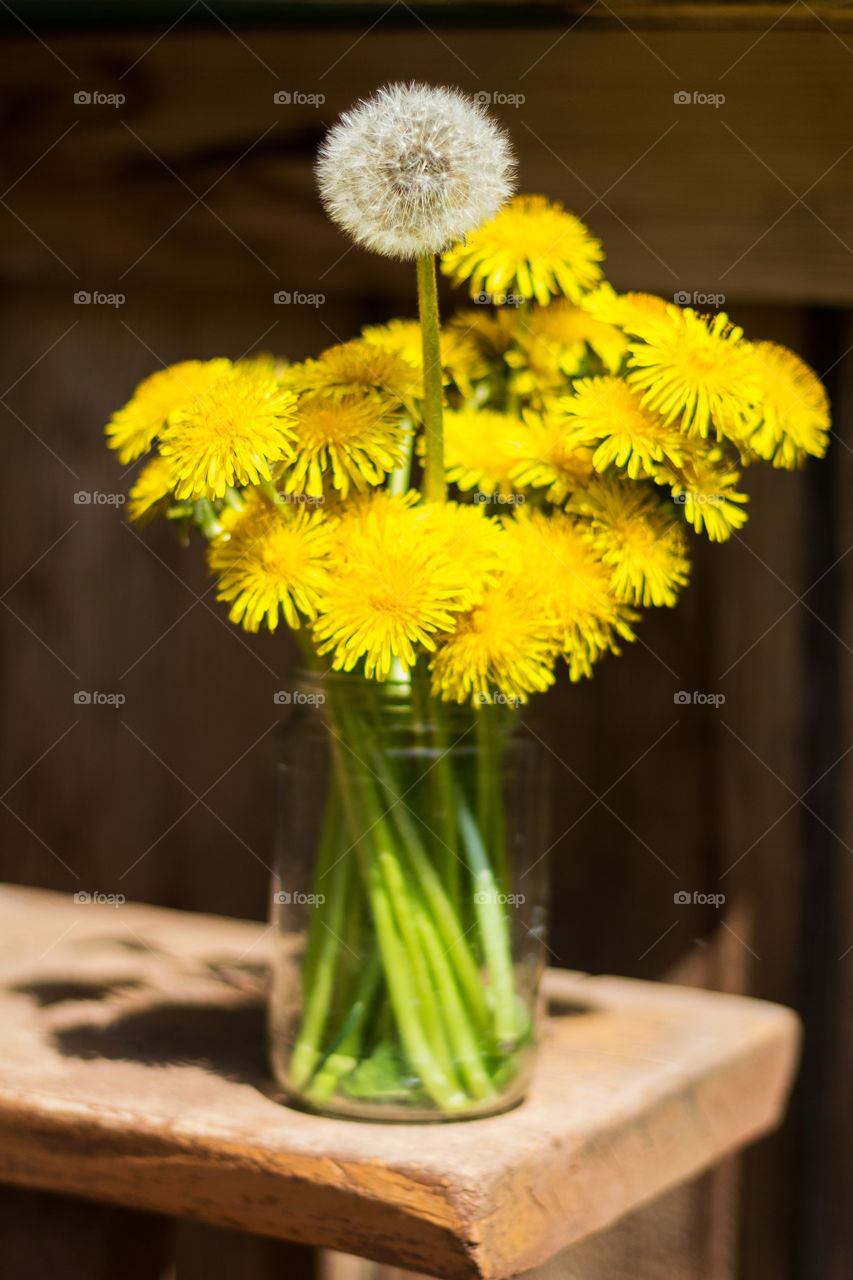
pixel 830 1116
pixel 132 1070
pixel 747 197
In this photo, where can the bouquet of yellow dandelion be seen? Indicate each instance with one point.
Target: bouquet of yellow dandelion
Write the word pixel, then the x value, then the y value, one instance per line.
pixel 443 515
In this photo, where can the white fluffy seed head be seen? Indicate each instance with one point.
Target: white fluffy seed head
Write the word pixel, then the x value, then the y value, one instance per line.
pixel 413 169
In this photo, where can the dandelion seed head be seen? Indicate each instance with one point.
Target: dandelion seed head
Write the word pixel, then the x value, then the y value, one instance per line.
pixel 414 169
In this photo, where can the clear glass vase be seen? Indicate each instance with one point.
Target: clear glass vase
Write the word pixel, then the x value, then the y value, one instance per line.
pixel 408 903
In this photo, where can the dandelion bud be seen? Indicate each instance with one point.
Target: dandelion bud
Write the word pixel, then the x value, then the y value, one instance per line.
pixel 413 169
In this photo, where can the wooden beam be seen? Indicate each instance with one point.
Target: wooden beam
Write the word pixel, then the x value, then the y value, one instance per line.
pixel 729 15
pixel 747 198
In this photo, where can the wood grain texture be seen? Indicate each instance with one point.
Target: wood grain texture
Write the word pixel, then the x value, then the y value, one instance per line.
pixel 43 1234
pixel 676 14
pixel 666 1239
pixel 109 806
pixel 203 1252
pixel 200 173
pixel 831 1113
pixel 755 656
pixel 132 1071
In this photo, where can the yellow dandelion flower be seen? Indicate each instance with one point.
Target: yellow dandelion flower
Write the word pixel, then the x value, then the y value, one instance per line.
pixel 132 430
pixel 481 448
pixel 794 409
pixel 706 488
pixel 394 587
pixel 533 248
pixel 492 331
pixel 572 584
pixel 379 505
pixel 612 419
pixel 400 336
pixel 465 533
pixel 505 645
pixel 461 357
pixel 548 458
pixel 697 371
pixel 154 484
pixel 447 529
pixel 358 368
pixel 638 537
pixel 350 440
pixel 554 343
pixel 271 560
pixel 264 362
pixel 230 434
pixel 642 315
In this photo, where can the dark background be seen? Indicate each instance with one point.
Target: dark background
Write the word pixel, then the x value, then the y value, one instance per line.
pixel 194 199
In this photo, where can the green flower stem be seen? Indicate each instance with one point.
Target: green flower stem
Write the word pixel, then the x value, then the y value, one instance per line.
pixel 373 837
pixel 446 919
pixel 485 775
pixel 206 518
pixel 494 934
pixel 441 784
pixel 417 944
pixel 328 846
pixel 354 947
pixel 306 1051
pixel 346 1052
pixel 383 1027
pixel 490 802
pixel 403 997
pixel 465 1046
pixel 233 499
pixel 500 859
pixel 434 487
pixel 452 863
pixel 399 478
pixel 268 489
pixel 443 1014
pixel 319 959
pixel 454 1016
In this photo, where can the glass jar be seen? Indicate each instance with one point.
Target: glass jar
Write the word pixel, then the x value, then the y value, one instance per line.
pixel 408 903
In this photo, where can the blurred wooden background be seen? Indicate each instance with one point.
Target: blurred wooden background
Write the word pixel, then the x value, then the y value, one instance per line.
pixel 193 198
